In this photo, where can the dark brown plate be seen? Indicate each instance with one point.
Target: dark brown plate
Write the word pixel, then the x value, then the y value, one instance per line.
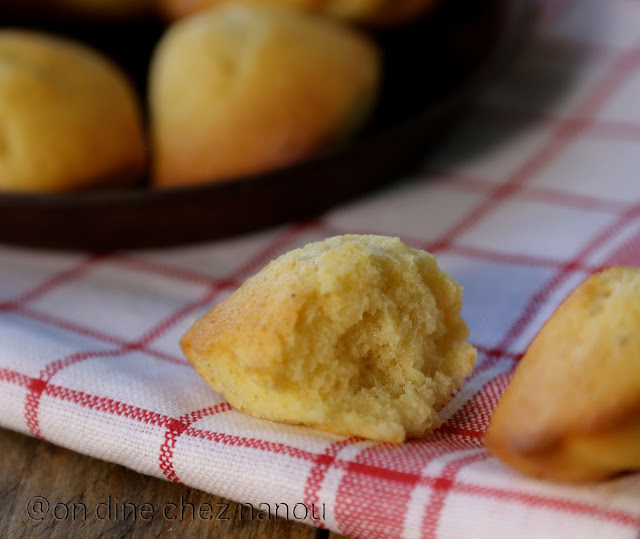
pixel 432 71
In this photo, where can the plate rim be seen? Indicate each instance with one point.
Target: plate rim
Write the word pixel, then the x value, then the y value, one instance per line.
pixel 514 32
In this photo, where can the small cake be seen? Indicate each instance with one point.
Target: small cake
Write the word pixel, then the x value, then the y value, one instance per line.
pixel 243 89
pixel 572 410
pixel 373 12
pixel 356 335
pixel 68 117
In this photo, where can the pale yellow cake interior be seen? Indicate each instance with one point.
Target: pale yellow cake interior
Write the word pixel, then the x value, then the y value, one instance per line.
pixel 358 335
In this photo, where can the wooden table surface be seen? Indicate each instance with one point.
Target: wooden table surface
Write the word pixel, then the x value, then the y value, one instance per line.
pixel 40 474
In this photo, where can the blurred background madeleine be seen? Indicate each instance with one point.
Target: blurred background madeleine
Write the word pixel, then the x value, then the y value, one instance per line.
pixel 68 116
pixel 246 88
pixel 373 12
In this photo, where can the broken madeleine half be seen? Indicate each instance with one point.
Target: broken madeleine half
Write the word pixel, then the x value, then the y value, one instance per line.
pixel 357 335
pixel 572 410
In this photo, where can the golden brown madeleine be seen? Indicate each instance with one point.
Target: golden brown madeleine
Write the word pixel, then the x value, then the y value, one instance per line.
pixel 244 89
pixel 68 117
pixel 572 410
pixel 357 335
pixel 374 12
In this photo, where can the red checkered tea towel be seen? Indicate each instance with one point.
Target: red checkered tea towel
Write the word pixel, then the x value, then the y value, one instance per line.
pixel 539 187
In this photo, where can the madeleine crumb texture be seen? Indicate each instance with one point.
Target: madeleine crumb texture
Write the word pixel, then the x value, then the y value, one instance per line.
pixel 356 335
pixel 572 410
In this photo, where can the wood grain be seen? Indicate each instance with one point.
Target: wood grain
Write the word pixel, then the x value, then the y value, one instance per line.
pixel 31 467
